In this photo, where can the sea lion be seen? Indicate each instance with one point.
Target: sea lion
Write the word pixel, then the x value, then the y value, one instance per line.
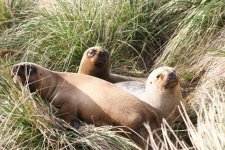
pixel 88 98
pixel 95 62
pixel 162 91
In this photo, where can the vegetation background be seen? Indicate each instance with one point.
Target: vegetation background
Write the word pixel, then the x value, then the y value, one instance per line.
pixel 140 35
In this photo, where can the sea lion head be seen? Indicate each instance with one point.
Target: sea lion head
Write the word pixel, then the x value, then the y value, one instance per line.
pixel 163 78
pixel 28 73
pixel 95 60
pixel 97 56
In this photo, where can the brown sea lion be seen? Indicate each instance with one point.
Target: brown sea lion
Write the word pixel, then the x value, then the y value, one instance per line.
pixel 162 90
pixel 88 98
pixel 95 62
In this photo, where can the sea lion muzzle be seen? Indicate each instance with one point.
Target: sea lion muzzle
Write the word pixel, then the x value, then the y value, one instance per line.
pixel 103 55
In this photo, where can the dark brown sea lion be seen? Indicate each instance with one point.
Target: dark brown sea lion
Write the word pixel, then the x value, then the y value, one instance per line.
pixel 88 98
pixel 95 62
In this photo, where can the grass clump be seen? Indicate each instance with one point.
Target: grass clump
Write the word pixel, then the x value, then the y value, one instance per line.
pixel 12 12
pixel 203 20
pixel 61 33
pixel 206 131
pixel 210 130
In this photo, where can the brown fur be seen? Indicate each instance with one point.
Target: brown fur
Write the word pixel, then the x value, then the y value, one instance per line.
pixel 95 62
pixel 87 98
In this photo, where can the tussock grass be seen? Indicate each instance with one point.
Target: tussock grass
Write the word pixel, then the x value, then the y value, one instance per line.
pixel 210 130
pixel 188 34
pixel 61 34
pixel 202 21
pixel 207 132
pixel 12 12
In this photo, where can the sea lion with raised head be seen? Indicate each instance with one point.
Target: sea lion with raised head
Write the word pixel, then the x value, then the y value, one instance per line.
pixel 88 98
pixel 95 62
pixel 162 90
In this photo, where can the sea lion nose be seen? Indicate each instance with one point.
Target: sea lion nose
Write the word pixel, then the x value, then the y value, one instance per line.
pixel 102 54
pixel 172 75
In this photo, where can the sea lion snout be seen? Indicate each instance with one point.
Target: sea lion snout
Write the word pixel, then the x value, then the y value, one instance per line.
pixel 103 54
pixel 171 79
pixel 101 58
pixel 172 75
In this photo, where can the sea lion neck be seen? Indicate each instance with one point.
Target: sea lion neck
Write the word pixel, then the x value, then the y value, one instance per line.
pixel 48 86
pixel 102 73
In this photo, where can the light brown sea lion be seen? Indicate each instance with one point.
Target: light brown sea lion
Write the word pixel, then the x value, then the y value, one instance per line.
pixel 88 98
pixel 95 62
pixel 162 90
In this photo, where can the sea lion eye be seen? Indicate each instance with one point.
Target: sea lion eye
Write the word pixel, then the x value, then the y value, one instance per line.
pixel 158 76
pixel 91 53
